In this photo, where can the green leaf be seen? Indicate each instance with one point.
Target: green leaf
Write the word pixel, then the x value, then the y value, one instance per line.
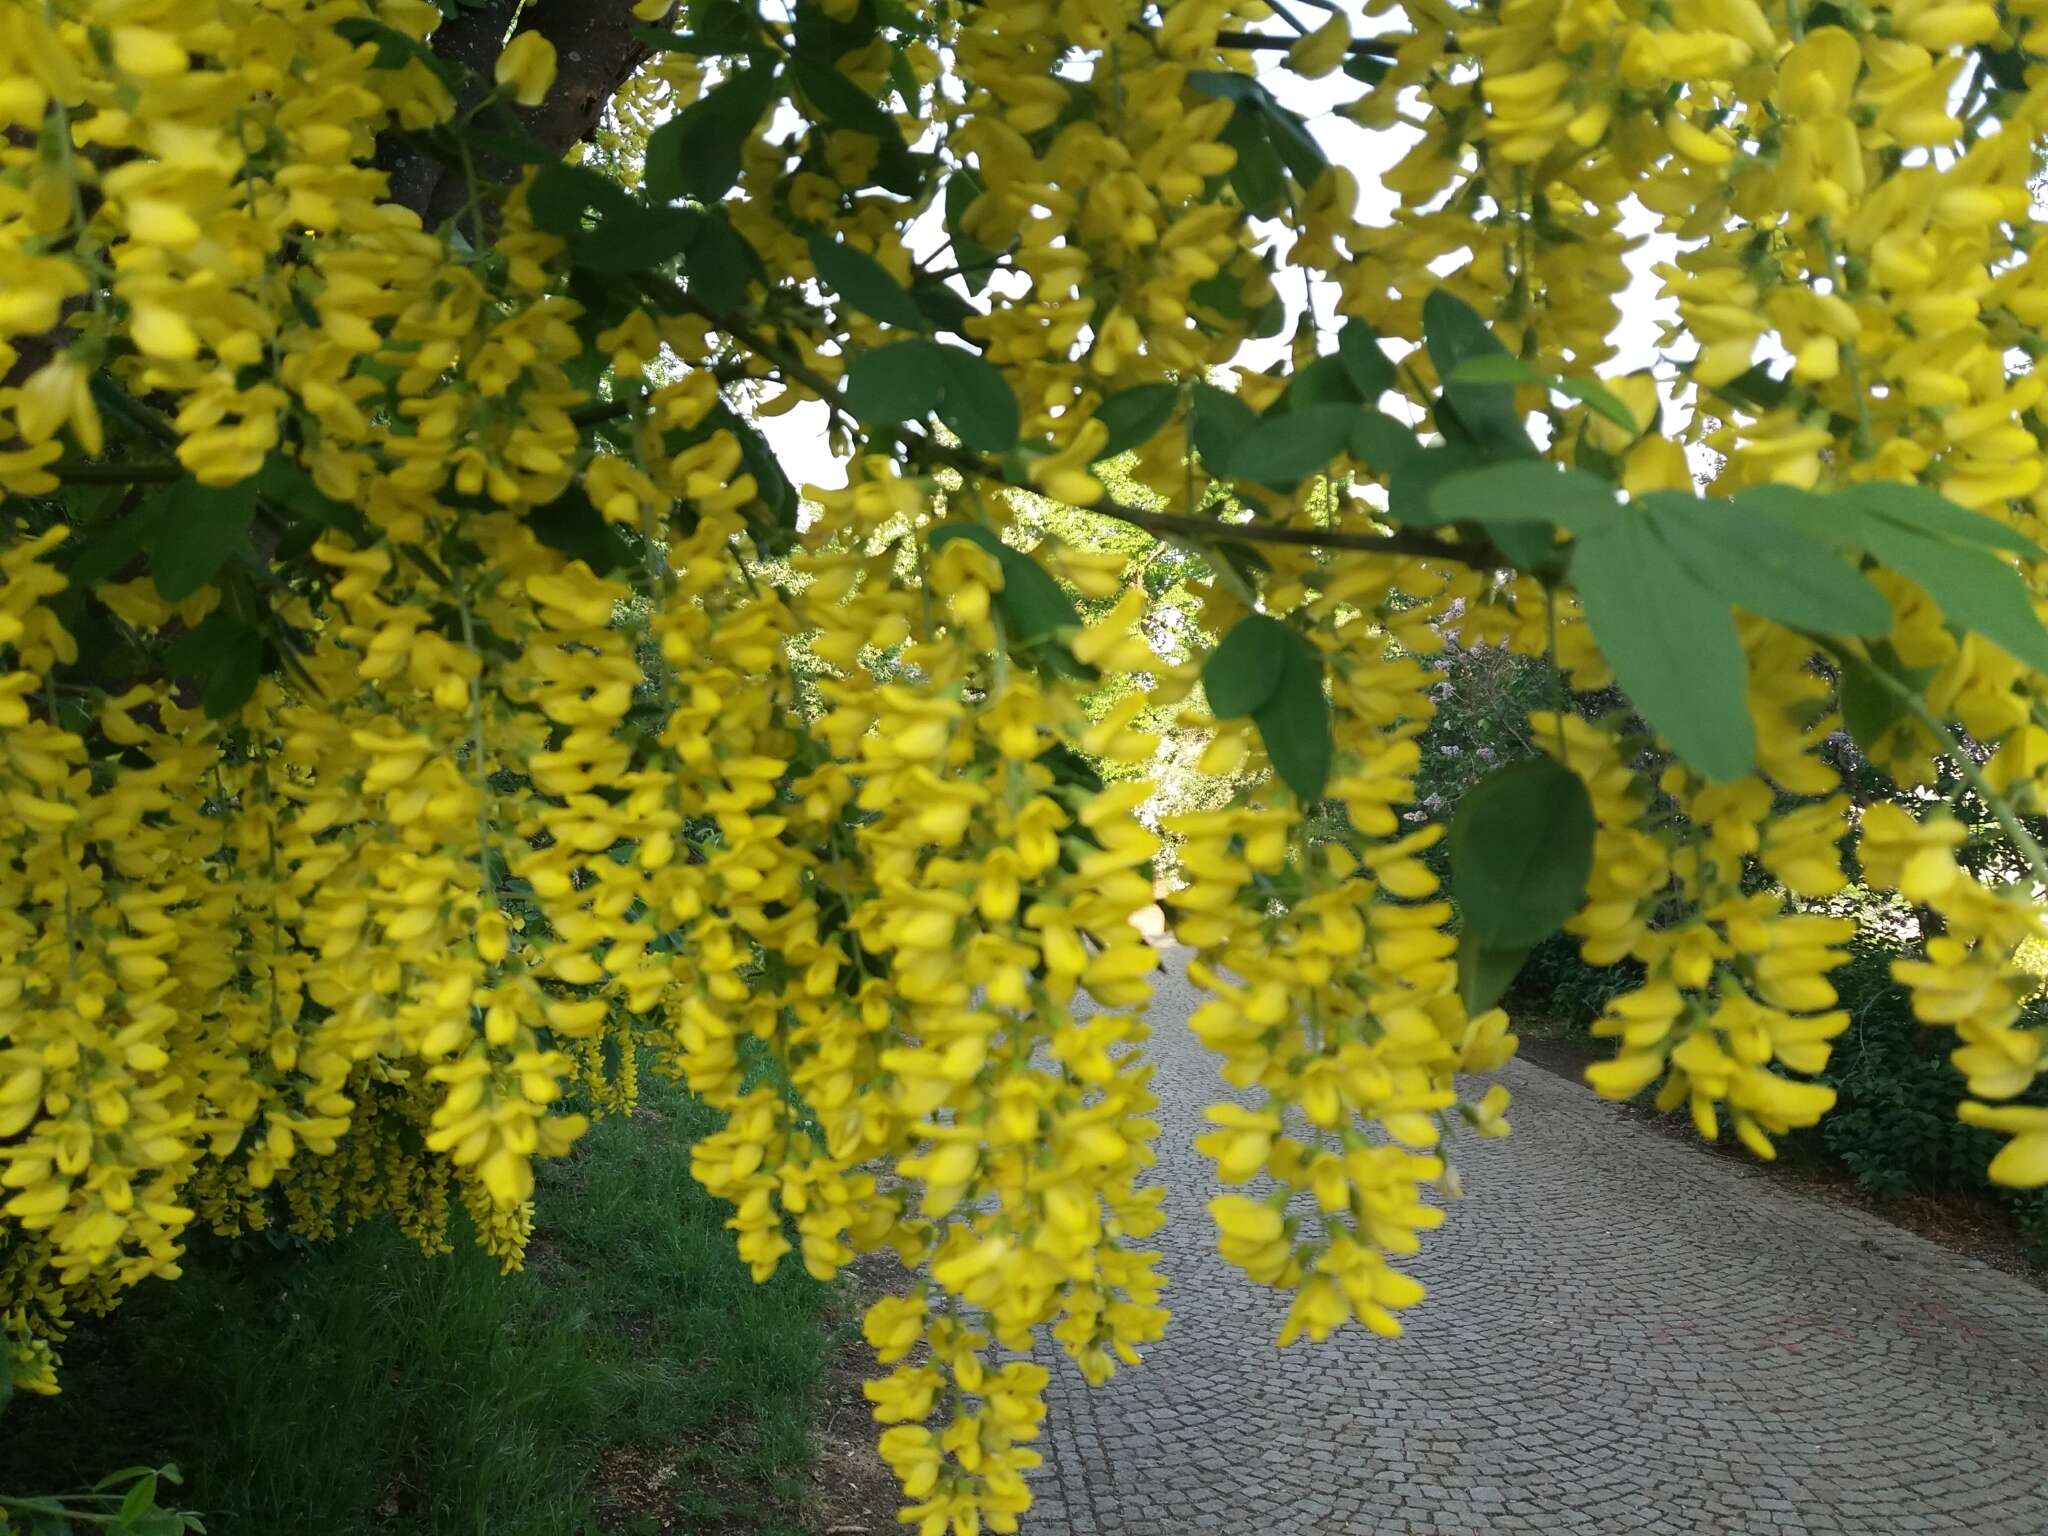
pixel 1975 586
pixel 720 262
pixel 903 381
pixel 1282 451
pixel 842 103
pixel 635 237
pixel 497 134
pixel 1672 645
pixel 1869 711
pixel 1217 420
pixel 141 1498
pixel 1483 413
pixel 1294 723
pixel 395 49
pixel 1929 512
pixel 1485 974
pixel 1870 708
pixel 1381 443
pixel 1224 293
pixel 1366 69
pixel 975 402
pixel 1500 368
pixel 1529 546
pixel 202 648
pixel 696 153
pixel 1287 132
pixel 285 485
pixel 1767 565
pixel 865 283
pixel 572 526
pixel 975 260
pixel 771 485
pixel 1036 612
pixel 904 78
pixel 197 529
pixel 1358 349
pixel 822 36
pixel 1525 491
pixel 1413 477
pixel 941 305
pixel 1521 847
pixel 1755 387
pixel 1258 177
pixel 562 195
pixel 1069 767
pixel 233 679
pixel 1135 416
pixel 102 556
pixel 1243 672
pixel 1322 382
pixel 1598 399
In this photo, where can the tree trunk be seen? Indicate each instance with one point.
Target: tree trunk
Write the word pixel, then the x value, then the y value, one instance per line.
pixel 595 54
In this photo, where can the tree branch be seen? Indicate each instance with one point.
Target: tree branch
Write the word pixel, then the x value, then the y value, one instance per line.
pixel 1370 47
pixel 595 53
pixel 1401 541
pixel 471 41
pixel 1177 525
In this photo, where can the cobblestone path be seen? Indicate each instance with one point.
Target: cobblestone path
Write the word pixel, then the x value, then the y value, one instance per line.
pixel 1622 1335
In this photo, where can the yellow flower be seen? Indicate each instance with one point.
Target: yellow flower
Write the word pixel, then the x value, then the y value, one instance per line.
pixel 526 67
pixel 1316 54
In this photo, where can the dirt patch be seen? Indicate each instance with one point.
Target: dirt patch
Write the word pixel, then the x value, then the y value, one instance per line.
pixel 1968 1222
pixel 853 1492
pixel 689 1485
pixel 633 1479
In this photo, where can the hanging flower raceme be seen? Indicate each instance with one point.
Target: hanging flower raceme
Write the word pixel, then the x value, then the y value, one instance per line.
pixel 424 691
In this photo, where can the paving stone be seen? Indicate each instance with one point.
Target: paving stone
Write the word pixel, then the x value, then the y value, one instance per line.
pixel 1622 1335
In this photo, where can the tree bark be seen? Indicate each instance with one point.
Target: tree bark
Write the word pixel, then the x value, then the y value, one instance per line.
pixel 595 54
pixel 472 41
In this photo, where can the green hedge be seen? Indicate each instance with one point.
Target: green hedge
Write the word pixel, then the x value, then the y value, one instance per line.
pixel 1895 1125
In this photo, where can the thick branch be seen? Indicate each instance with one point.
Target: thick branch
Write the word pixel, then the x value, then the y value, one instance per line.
pixel 595 54
pixel 471 41
pixel 1370 47
pixel 1176 525
pixel 1400 541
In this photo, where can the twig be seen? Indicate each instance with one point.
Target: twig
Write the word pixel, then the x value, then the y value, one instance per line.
pixel 1179 525
pixel 2008 820
pixel 1371 47
pixel 76 472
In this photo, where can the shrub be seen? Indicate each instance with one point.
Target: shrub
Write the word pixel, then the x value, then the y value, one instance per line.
pixel 1895 1127
pixel 1557 987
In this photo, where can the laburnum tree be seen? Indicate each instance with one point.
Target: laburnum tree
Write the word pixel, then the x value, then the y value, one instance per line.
pixel 424 691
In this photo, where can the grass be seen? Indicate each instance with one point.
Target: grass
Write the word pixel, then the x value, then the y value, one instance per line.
pixel 632 1370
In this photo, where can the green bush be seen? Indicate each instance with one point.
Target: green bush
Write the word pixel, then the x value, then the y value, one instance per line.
pixel 361 1388
pixel 1894 1126
pixel 1558 993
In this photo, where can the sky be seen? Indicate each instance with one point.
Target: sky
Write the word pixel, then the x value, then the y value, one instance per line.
pixel 798 437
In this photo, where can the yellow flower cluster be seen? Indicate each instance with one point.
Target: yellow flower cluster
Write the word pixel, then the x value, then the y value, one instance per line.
pixel 519 724
pixel 1335 990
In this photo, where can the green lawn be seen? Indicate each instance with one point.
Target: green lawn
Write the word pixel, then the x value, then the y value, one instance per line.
pixel 633 1369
